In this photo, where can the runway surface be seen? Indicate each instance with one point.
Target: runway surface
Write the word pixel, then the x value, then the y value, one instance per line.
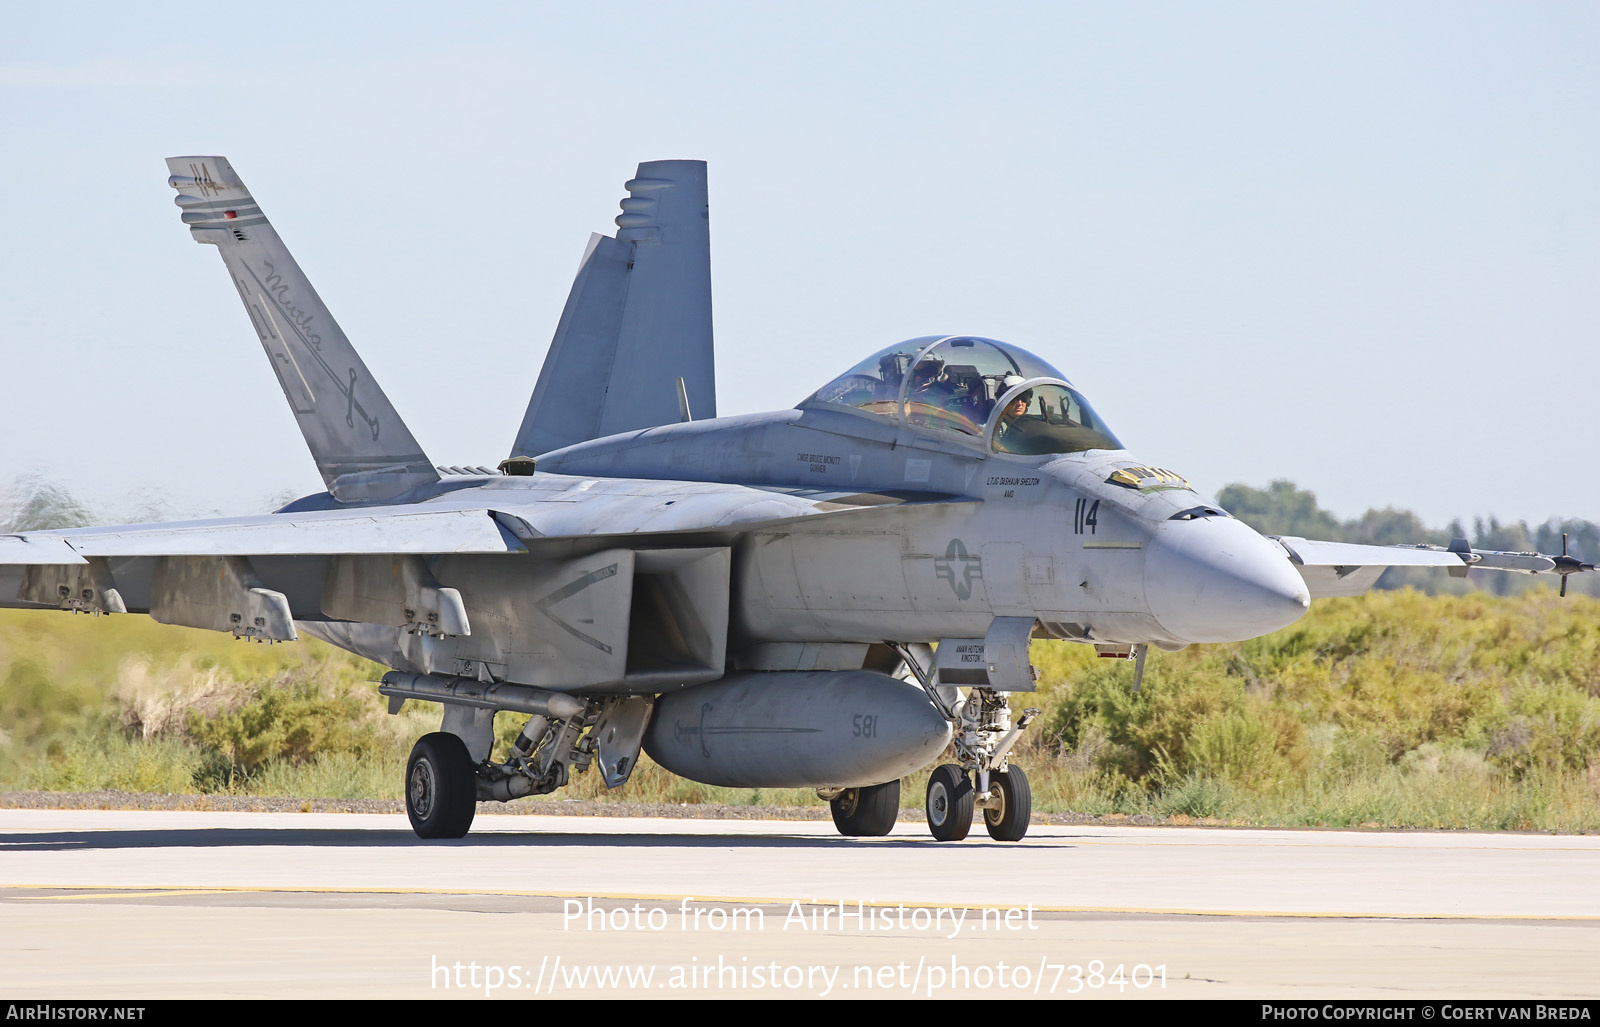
pixel 108 904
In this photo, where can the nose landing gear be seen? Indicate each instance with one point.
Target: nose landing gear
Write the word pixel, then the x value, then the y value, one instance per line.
pixel 1010 807
pixel 983 737
pixel 949 803
pixel 1007 804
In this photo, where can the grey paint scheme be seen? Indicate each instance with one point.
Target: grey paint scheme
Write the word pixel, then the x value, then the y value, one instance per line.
pixel 637 319
pixel 761 730
pixel 667 556
pixel 874 578
pixel 851 559
pixel 362 448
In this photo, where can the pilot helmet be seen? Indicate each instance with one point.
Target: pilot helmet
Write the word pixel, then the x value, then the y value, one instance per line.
pixel 928 369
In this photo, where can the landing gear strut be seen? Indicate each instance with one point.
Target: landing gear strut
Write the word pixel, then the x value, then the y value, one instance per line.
pixel 984 735
pixel 450 771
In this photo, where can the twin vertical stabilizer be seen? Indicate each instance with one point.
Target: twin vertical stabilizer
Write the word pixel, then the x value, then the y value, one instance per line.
pixel 633 348
pixel 638 319
pixel 362 447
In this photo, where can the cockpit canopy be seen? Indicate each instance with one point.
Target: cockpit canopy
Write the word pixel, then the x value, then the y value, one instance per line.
pixel 987 391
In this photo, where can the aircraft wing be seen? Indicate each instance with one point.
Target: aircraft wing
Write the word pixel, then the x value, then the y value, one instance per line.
pixel 209 574
pixel 37 548
pixel 479 522
pixel 273 568
pixel 378 530
pixel 1350 569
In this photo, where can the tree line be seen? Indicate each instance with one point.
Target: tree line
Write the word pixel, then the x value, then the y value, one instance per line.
pixel 1282 508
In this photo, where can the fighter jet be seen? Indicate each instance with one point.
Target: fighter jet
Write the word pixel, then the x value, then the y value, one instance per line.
pixel 830 596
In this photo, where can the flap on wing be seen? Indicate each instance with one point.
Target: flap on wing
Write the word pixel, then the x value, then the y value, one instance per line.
pixel 1328 582
pixel 372 530
pixel 36 549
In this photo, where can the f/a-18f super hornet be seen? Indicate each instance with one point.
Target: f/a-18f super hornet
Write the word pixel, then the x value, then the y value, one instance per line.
pixel 827 597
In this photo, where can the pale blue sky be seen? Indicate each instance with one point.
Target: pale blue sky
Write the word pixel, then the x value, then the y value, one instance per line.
pixel 1354 245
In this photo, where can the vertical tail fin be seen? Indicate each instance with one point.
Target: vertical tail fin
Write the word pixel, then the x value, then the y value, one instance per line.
pixel 638 318
pixel 362 447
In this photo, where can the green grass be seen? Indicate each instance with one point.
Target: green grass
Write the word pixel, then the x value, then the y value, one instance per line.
pixel 1394 710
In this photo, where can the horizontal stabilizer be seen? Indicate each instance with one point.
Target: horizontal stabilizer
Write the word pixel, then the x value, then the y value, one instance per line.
pixel 362 447
pixel 637 321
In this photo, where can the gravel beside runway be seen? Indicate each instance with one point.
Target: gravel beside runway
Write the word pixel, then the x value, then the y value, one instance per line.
pixel 543 808
pixel 276 804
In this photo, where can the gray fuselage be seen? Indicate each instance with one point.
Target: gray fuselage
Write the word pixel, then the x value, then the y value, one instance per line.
pixel 1001 536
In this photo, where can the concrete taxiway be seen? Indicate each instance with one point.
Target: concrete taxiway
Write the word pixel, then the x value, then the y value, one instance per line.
pixel 108 904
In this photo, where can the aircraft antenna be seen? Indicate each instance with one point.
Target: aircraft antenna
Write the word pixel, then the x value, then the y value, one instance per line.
pixel 683 403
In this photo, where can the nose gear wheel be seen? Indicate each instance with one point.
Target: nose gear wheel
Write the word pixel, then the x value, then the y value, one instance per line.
pixel 1011 808
pixel 950 803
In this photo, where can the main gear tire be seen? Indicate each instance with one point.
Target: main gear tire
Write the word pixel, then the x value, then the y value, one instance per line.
pixel 866 812
pixel 441 786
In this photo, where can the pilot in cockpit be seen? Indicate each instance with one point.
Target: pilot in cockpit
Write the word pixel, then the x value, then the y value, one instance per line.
pixel 1008 431
pixel 928 393
pixel 926 381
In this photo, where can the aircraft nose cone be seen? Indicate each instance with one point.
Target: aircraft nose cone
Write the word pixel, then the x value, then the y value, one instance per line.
pixel 1214 579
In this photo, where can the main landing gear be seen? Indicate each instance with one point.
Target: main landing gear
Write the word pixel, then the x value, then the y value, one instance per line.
pixel 867 812
pixel 441 786
pixel 450 771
